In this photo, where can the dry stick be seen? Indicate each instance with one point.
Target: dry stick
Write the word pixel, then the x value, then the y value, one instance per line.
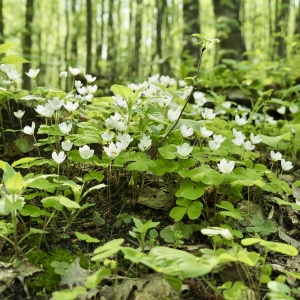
pixel 186 102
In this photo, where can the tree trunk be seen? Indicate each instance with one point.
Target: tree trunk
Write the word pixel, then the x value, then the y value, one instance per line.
pixel 159 23
pixel 1 23
pixel 99 49
pixel 27 42
pixel 111 41
pixel 282 15
pixel 138 37
pixel 297 22
pixel 191 50
pixel 89 19
pixel 74 46
pixel 228 27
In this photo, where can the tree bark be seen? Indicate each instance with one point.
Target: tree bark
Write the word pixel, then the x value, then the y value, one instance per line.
pixel 228 27
pixel 27 42
pixel 1 23
pixel 138 37
pixel 282 15
pixel 191 50
pixel 111 40
pixel 89 26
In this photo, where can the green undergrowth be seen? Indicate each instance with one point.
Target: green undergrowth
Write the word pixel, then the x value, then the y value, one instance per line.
pixel 155 178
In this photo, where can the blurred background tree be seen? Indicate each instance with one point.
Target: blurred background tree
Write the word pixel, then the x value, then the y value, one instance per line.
pixel 129 40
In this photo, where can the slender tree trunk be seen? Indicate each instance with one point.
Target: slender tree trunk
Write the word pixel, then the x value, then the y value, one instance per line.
pixel 231 44
pixel 129 40
pixel 138 37
pixel 27 42
pixel 297 22
pixel 74 46
pixel 281 25
pixel 159 22
pixel 89 37
pixel 67 38
pixel 99 49
pixel 191 20
pixel 111 40
pixel 1 23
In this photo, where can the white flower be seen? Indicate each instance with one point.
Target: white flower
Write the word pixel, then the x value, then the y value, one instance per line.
pixel 120 101
pixel 238 141
pixel 173 114
pixel 186 131
pixel 226 167
pixel 70 106
pixel 145 142
pixel 240 121
pixel 182 83
pixel 184 150
pixel 29 130
pixel 107 137
pixel 78 84
pixel 293 108
pixel 33 73
pixel 213 145
pixel 67 145
pixel 164 101
pixel 208 114
pixel 3 68
pixel 58 158
pixel 65 128
pixel 85 152
pixel 89 97
pixel 19 114
pixel 219 138
pixel 82 90
pixel 205 132
pixel 255 139
pixel 63 74
pixel 275 156
pixel 45 111
pixel 112 150
pixel 199 98
pixel 12 74
pixel 154 78
pixel 92 89
pixel 238 134
pixel 74 71
pixel 248 146
pixel 286 165
pixel 56 103
pixel 124 140
pixel 89 78
pixel 281 110
pixel 224 232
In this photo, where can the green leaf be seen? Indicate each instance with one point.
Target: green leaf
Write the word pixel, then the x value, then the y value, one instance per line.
pixel 92 282
pixel 86 237
pixel 274 140
pixel 122 90
pixel 7 46
pixel 190 190
pixel 14 59
pixel 167 152
pixel 278 287
pixel 33 211
pixel 194 210
pixel 24 160
pixel 67 202
pixel 280 247
pixel 107 249
pixel 177 213
pixel 6 206
pixel 15 183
